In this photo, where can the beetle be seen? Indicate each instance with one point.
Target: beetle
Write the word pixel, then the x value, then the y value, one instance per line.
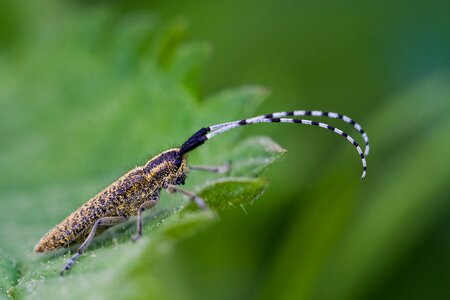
pixel 139 189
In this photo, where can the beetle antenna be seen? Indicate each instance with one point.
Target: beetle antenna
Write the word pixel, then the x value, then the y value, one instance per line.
pixel 207 133
pixel 314 113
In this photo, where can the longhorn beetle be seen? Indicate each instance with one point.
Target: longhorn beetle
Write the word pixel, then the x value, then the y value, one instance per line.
pixel 138 190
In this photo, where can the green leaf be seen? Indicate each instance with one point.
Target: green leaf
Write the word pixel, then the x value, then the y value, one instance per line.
pixel 9 273
pixel 232 192
pixel 253 155
pixel 114 97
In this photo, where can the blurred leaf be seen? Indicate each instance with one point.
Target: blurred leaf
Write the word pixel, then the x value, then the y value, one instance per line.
pixel 399 207
pixel 169 41
pixel 186 65
pixel 355 243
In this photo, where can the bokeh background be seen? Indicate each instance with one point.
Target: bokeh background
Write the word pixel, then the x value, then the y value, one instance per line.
pixel 318 232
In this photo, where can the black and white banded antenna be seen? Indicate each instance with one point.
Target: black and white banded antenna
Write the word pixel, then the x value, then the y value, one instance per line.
pixel 314 113
pixel 207 133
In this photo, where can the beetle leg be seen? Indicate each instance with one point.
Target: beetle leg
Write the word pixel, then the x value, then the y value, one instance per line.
pixel 144 206
pixel 214 169
pixel 108 221
pixel 193 197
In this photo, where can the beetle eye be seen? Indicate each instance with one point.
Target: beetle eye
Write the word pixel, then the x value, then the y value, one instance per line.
pixel 178 162
pixel 181 180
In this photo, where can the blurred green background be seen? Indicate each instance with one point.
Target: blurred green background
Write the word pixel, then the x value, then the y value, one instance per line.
pixel 318 232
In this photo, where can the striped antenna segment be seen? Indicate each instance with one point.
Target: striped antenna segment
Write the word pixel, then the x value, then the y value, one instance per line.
pixel 220 128
pixel 314 113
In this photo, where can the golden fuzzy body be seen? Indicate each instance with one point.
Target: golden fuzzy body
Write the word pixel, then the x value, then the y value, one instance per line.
pixel 122 198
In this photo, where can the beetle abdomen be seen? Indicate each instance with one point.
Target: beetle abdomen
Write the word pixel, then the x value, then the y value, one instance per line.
pixel 105 204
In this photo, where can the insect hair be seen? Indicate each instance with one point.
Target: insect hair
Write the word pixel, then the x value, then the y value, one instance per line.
pixel 206 133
